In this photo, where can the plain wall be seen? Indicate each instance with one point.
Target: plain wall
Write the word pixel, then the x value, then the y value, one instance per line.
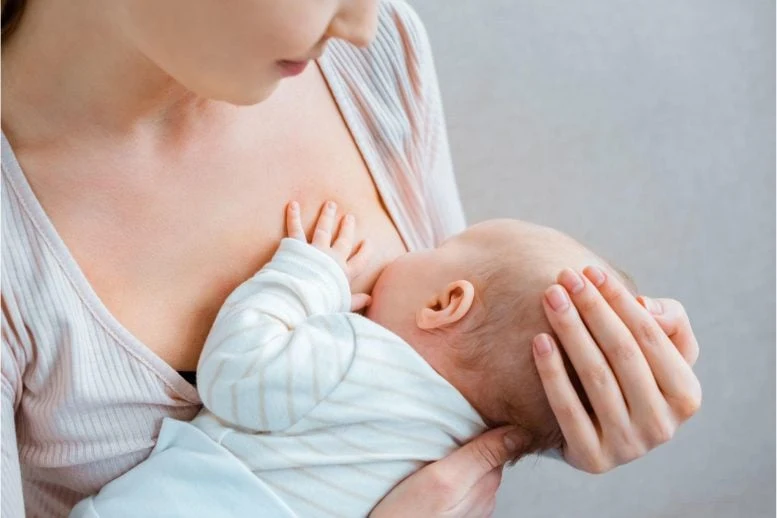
pixel 646 130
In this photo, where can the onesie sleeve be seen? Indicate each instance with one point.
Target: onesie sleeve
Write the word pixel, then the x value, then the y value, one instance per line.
pixel 280 344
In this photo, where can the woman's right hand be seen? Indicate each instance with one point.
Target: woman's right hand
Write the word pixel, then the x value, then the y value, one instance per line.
pixel 634 358
pixel 462 485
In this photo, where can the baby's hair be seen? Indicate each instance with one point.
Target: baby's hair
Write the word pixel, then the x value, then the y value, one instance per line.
pixel 508 306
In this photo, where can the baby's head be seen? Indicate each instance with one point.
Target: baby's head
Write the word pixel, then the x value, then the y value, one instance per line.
pixel 471 308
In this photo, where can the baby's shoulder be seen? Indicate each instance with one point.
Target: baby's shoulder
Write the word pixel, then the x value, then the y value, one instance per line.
pixel 365 329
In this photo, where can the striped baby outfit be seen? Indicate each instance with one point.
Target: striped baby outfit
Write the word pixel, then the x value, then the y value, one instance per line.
pixel 328 409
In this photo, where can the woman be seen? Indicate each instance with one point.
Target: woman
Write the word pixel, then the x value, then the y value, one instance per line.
pixel 148 148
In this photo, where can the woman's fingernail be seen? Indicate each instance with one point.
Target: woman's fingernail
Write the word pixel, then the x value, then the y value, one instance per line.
pixel 349 218
pixel 571 280
pixel 542 345
pixel 294 206
pixel 331 205
pixel 557 298
pixel 651 305
pixel 595 274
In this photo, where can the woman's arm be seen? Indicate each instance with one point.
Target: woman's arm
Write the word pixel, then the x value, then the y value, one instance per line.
pixel 433 184
pixel 634 363
pixel 439 182
pixel 12 499
pixel 462 485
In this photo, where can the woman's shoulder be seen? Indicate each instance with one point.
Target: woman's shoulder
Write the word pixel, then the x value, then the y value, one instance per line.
pixel 389 94
pixel 402 26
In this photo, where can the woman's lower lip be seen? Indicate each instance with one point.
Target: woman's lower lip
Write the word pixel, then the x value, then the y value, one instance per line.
pixel 292 68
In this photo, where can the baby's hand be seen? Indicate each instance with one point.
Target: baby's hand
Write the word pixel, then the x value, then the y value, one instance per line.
pixel 351 257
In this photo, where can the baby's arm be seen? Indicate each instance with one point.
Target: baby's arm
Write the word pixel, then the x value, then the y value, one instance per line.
pixel 275 349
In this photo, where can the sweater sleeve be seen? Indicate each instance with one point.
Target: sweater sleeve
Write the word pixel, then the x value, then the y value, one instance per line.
pixel 438 183
pixel 280 343
pixel 12 499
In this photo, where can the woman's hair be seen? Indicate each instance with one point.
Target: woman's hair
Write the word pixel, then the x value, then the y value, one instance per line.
pixel 12 13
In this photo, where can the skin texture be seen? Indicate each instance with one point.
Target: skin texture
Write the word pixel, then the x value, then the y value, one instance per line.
pixel 124 108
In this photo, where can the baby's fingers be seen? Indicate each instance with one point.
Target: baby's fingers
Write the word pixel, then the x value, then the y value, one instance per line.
pixel 322 236
pixel 357 263
pixel 360 301
pixel 343 245
pixel 294 222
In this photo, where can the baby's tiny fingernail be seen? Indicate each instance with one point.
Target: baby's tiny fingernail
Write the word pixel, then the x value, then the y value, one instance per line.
pixel 294 206
pixel 331 205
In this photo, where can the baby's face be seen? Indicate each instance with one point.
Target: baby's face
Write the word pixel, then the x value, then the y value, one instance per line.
pixel 410 281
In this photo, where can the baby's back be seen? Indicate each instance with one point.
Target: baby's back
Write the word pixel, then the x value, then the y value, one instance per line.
pixel 390 414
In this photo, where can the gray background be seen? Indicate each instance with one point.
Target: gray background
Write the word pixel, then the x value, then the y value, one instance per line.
pixel 645 129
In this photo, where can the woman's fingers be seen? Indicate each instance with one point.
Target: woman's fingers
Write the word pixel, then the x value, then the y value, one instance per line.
pixel 483 496
pixel 576 425
pixel 294 222
pixel 674 376
pixel 671 316
pixel 463 469
pixel 616 342
pixel 462 485
pixel 639 383
pixel 590 364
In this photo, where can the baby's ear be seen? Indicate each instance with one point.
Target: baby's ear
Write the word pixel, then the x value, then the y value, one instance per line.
pixel 448 307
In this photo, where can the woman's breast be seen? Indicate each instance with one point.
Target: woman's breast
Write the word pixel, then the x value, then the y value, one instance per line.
pixel 164 265
pixel 165 237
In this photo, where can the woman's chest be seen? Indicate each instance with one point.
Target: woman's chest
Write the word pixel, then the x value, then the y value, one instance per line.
pixel 163 243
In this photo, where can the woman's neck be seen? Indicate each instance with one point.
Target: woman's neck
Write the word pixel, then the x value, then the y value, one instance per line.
pixel 68 67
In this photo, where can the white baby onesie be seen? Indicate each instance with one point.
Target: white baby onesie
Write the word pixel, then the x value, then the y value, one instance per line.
pixel 328 408
pixel 310 410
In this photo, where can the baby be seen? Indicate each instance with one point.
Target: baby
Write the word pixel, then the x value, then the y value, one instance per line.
pixel 314 410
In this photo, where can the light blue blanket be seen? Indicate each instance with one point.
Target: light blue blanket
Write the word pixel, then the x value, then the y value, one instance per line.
pixel 187 475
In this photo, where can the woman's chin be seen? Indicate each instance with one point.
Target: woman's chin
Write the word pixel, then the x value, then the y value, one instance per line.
pixel 248 97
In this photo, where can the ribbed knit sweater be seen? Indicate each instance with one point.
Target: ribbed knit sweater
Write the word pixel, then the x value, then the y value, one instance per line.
pixel 82 398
